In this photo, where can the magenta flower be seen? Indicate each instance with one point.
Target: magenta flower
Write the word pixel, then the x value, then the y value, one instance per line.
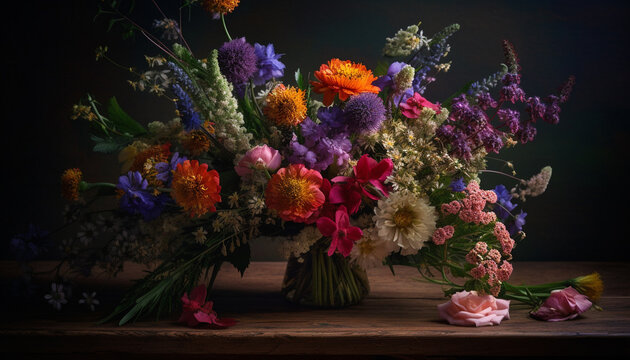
pixel 366 172
pixel 197 311
pixel 260 158
pixel 470 309
pixel 343 235
pixel 562 305
pixel 414 105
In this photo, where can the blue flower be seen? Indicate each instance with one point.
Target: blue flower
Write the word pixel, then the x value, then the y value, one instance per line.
pixel 504 204
pixel 186 110
pixel 137 199
pixel 517 225
pixel 457 185
pixel 269 67
pixel 165 169
pixel 332 117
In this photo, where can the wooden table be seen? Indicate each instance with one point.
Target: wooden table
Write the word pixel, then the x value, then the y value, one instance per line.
pixel 398 319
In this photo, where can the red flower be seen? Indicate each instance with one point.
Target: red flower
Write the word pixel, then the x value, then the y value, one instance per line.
pixel 414 105
pixel 197 311
pixel 367 172
pixel 343 235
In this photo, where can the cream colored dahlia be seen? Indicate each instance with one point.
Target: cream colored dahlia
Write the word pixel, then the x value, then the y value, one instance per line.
pixel 370 250
pixel 405 220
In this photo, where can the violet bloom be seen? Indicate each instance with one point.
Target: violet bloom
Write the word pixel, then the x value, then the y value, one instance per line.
pixel 322 146
pixel 511 91
pixel 511 118
pixel 165 169
pixel 237 61
pixel 364 113
pixel 562 305
pixel 258 158
pixel 332 117
pixel 387 82
pixel 518 223
pixel 137 199
pixel 457 185
pixel 269 66
pixel 504 205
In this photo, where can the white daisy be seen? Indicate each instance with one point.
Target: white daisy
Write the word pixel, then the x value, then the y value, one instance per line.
pixel 405 220
pixel 89 300
pixel 370 250
pixel 56 297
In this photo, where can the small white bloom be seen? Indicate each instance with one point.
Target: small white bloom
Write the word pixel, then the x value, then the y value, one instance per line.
pixel 87 233
pixel 89 300
pixel 535 186
pixel 370 250
pixel 200 235
pixel 405 220
pixel 56 297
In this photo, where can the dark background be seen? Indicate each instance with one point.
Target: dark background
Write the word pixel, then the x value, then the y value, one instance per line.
pixel 48 64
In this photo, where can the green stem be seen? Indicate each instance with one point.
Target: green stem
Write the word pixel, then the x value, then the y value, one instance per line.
pixel 331 292
pixel 225 28
pixel 87 186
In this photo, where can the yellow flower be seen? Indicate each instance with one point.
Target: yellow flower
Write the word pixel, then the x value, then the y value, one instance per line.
pixel 286 106
pixel 219 6
pixel 590 285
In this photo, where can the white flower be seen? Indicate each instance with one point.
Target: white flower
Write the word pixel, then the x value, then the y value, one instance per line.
pixel 200 235
pixel 89 300
pixel 535 186
pixel 87 233
pixel 301 243
pixel 370 250
pixel 57 297
pixel 405 220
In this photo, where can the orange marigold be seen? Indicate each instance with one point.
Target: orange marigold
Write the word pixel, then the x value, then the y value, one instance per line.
pixel 286 106
pixel 195 188
pixel 344 78
pixel 156 153
pixel 70 182
pixel 196 142
pixel 294 192
pixel 219 6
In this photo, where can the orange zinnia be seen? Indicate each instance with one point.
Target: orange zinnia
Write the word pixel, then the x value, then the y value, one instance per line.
pixel 344 78
pixel 286 106
pixel 294 193
pixel 195 188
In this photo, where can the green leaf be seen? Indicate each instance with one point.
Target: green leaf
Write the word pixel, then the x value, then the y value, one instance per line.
pixel 299 79
pixel 240 258
pixel 122 121
pixel 381 68
pixel 111 145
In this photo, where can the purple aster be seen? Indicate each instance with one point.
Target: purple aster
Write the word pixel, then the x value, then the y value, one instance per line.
pixel 237 60
pixel 28 246
pixel 510 118
pixel 517 225
pixel 269 65
pixel 457 185
pixel 185 108
pixel 364 113
pixel 322 146
pixel 165 169
pixel 137 199
pixel 333 117
pixel 504 205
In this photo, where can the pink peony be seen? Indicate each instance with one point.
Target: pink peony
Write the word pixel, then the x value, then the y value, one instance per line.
pixel 469 309
pixel 260 157
pixel 197 311
pixel 562 305
pixel 414 105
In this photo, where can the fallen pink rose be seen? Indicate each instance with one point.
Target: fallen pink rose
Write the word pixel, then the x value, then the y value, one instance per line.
pixel 469 309
pixel 562 305
pixel 197 311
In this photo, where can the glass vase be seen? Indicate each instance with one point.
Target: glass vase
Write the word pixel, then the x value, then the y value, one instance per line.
pixel 318 280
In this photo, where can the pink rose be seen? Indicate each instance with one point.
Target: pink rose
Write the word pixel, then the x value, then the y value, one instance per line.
pixel 469 309
pixel 261 158
pixel 414 105
pixel 562 305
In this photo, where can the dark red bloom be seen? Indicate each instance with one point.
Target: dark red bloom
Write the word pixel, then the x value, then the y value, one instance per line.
pixel 343 235
pixel 197 311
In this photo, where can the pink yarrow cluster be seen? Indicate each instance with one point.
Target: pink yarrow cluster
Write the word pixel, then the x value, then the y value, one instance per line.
pixel 490 266
pixel 471 207
pixel 442 234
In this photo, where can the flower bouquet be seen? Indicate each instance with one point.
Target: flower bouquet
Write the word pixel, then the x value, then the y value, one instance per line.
pixel 349 169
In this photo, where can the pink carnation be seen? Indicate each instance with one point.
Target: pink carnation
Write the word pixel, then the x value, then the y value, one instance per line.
pixel 469 309
pixel 260 157
pixel 414 105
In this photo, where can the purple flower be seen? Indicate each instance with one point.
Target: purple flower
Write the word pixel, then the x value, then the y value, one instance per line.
pixel 137 199
pixel 526 133
pixel 387 80
pixel 460 146
pixel 165 169
pixel 552 110
pixel 332 117
pixel 237 61
pixel 457 185
pixel 565 304
pixel 504 204
pixel 511 91
pixel 322 146
pixel 485 101
pixel 364 113
pixel 269 67
pixel 517 225
pixel 511 118
pixel 491 141
pixel 535 108
pixel 186 110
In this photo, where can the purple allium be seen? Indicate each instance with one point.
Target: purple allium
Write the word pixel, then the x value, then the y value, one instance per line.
pixel 364 113
pixel 165 169
pixel 322 146
pixel 485 101
pixel 510 118
pixel 457 185
pixel 269 65
pixel 517 225
pixel 28 246
pixel 137 199
pixel 504 205
pixel 332 117
pixel 237 61
pixel 185 108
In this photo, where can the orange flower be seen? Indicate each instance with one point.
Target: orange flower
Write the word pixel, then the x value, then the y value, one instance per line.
pixel 294 192
pixel 70 182
pixel 195 188
pixel 196 142
pixel 156 153
pixel 286 106
pixel 219 6
pixel 344 78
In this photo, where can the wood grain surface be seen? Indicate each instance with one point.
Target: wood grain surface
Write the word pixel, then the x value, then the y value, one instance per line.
pixel 398 319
